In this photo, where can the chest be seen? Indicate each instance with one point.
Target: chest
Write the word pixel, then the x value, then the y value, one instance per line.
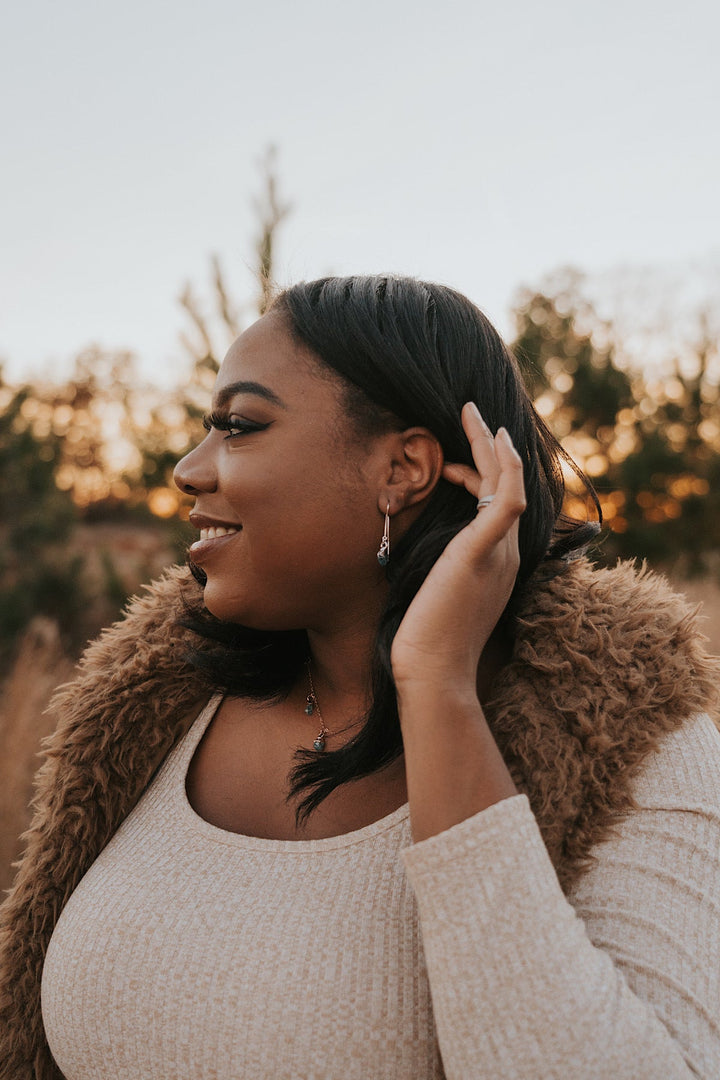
pixel 238 778
pixel 191 952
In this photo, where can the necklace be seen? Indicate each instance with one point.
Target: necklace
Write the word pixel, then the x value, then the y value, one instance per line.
pixel 312 705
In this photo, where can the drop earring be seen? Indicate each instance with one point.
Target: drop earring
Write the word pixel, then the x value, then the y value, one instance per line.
pixel 383 555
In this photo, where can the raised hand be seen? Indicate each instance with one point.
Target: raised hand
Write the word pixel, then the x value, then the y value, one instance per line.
pixel 451 618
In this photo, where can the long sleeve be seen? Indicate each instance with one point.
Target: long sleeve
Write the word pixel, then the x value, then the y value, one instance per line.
pixel 620 981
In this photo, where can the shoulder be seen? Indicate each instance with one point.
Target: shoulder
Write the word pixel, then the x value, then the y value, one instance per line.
pixel 651 896
pixel 152 620
pixel 683 773
pixel 607 663
pixel 637 603
pixel 132 694
pixel 149 640
pixel 615 640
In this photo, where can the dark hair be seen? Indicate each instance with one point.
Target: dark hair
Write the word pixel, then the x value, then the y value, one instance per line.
pixel 410 353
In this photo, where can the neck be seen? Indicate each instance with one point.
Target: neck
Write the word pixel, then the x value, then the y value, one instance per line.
pixel 341 663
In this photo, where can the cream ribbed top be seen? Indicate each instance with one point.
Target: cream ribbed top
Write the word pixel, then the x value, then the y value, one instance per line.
pixel 190 953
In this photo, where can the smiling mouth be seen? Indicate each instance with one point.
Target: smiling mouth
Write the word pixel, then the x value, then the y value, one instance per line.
pixel 209 536
pixel 214 531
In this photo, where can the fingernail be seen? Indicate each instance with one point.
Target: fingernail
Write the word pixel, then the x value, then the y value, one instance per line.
pixel 477 412
pixel 504 434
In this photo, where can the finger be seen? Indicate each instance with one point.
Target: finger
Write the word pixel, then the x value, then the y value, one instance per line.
pixel 482 446
pixel 507 460
pixel 498 522
pixel 509 502
pixel 464 476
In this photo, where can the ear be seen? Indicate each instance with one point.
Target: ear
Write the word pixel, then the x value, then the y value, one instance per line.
pixel 416 465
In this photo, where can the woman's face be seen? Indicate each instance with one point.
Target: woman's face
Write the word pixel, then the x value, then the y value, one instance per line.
pixel 297 489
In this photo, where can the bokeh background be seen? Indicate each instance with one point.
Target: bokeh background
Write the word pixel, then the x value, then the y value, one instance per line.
pixel 166 165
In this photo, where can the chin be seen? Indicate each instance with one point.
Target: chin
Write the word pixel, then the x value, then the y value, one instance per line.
pixel 259 608
pixel 220 604
pixel 216 598
pixel 229 608
pixel 260 617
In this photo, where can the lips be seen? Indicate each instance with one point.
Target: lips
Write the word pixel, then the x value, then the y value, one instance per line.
pixel 206 521
pixel 213 535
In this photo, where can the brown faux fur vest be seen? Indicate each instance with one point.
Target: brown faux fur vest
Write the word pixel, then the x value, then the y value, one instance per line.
pixel 605 662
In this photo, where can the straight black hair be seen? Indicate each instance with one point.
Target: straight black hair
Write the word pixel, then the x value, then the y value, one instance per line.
pixel 409 353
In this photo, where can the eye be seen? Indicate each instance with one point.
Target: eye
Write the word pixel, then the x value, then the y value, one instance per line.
pixel 235 426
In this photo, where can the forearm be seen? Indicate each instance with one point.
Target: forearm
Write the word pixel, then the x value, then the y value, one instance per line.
pixel 452 763
pixel 518 988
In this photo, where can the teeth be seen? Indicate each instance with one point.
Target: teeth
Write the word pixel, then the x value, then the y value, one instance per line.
pixel 214 531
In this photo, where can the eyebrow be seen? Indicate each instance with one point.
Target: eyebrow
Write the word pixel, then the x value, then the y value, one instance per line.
pixel 228 393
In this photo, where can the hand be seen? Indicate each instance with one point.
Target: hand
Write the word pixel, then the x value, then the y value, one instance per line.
pixel 448 623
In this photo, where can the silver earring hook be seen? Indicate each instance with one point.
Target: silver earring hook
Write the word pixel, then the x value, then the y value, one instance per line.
pixel 383 555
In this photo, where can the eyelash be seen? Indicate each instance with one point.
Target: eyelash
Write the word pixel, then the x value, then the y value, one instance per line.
pixel 234 427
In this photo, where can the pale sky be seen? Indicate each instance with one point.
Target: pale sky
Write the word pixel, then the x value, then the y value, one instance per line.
pixel 477 144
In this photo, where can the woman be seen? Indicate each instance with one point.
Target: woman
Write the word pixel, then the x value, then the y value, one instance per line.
pixel 332 806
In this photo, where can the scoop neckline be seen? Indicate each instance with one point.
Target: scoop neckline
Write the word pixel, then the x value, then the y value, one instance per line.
pixel 198 824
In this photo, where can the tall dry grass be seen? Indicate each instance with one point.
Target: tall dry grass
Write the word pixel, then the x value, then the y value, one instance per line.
pixel 40 666
pixel 706 593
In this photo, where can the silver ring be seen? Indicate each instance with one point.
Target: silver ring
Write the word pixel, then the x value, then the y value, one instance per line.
pixel 485 501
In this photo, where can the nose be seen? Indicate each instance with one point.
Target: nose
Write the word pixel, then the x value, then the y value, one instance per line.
pixel 195 473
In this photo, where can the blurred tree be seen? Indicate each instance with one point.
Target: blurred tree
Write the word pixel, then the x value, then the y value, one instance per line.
pixel 672 481
pixel 649 445
pixel 36 574
pixel 94 415
pixel 571 367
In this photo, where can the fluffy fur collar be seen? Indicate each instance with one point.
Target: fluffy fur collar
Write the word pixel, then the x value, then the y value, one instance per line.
pixel 605 663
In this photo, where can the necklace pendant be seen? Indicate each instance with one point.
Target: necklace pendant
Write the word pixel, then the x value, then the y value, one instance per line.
pixel 319 743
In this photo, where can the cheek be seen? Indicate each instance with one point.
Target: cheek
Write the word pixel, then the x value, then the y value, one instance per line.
pixel 311 531
pixel 284 575
pixel 317 541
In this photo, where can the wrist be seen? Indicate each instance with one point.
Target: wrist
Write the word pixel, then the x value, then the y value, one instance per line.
pixel 441 665
pixel 418 696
